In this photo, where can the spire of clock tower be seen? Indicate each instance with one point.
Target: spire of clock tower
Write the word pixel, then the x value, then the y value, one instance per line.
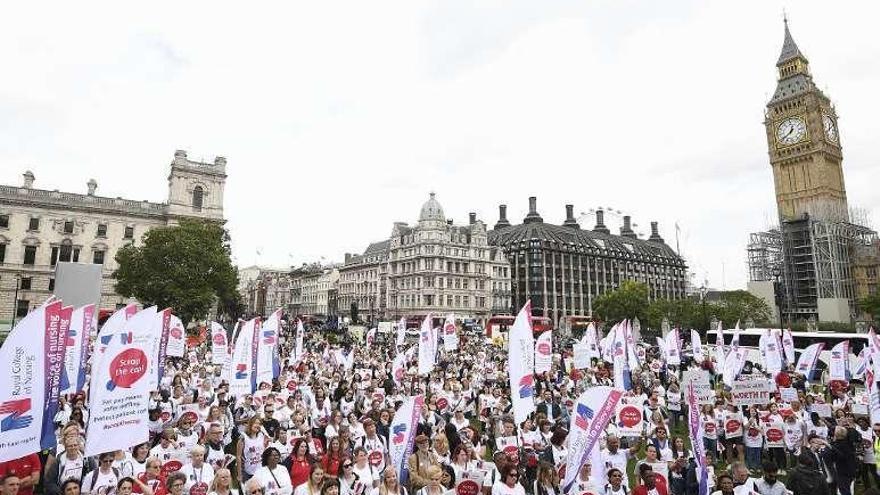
pixel 791 61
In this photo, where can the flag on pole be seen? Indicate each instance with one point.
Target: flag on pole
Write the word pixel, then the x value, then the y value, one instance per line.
pixel 244 357
pixel 112 325
pixel 118 401
pixel 56 336
pixel 521 363
pixel 719 347
pixel 450 336
pixel 298 353
pixel 807 362
pixel 772 355
pixel 28 355
pixel 176 338
pixel 426 346
pixel 219 346
pixel 697 347
pixel 591 341
pixel 673 348
pixel 544 352
pixel 838 366
pixel 695 430
pixel 77 354
pixel 398 368
pixel 268 342
pixel 593 410
pixel 401 332
pixel 788 346
pixel 402 435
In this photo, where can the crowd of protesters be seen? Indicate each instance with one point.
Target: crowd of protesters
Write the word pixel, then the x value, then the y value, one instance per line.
pixel 322 428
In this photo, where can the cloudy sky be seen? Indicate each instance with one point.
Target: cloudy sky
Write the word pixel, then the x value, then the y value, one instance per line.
pixel 338 118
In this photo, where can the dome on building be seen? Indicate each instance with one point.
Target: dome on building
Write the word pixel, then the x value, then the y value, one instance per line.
pixel 432 211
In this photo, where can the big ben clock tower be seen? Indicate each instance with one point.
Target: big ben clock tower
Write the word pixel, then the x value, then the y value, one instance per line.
pixel 803 140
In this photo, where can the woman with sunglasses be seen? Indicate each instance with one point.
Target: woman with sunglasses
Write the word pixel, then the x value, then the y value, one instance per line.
pixel 222 483
pixel 151 477
pixel 102 480
pixel 273 477
pixel 508 483
pixel 349 482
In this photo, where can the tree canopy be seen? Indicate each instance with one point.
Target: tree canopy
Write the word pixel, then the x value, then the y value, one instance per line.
pixel 630 300
pixel 871 305
pixel 186 267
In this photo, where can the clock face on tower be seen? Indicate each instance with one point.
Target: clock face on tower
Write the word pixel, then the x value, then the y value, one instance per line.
pixel 830 128
pixel 791 131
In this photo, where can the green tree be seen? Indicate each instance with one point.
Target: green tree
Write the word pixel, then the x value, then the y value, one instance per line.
pixel 871 305
pixel 740 305
pixel 185 267
pixel 683 313
pixel 630 300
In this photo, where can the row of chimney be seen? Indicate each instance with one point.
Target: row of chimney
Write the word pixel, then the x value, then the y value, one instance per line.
pixel 28 183
pixel 533 217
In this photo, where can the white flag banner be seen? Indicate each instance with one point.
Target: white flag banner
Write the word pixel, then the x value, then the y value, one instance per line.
pixel 632 358
pixel 450 336
pixel 158 348
pixel 874 351
pixel 673 348
pixel 402 435
pixel 176 338
pixel 697 347
pixel 837 367
pixel 521 362
pixel 593 410
pixel 118 402
pixel 401 331
pixel 77 354
pixel 720 356
pixel 873 397
pixel 591 341
pixel 219 346
pixel 544 352
pixel 426 346
pixel 27 356
pixel 807 362
pixel 244 359
pixel 788 346
pixel 268 342
pixel 298 353
pixel 608 345
pixel 772 354
pixel 398 368
pixel 733 365
pixel 112 325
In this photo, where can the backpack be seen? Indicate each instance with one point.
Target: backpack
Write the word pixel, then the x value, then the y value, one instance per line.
pixel 95 477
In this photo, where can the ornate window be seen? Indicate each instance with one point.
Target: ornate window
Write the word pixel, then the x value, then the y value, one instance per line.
pixel 198 198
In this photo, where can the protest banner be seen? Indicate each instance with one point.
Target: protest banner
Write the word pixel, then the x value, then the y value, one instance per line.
pixel 702 387
pixel 581 356
pixel 629 421
pixel 469 483
pixel 733 426
pixel 774 435
pixel 751 392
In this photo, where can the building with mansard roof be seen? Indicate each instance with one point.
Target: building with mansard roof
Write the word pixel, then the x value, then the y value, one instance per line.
pixel 433 266
pixel 41 227
pixel 563 268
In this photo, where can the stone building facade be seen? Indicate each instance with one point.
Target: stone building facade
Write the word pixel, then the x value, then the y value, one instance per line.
pixel 319 292
pixel 264 290
pixel 41 227
pixel 563 268
pixel 432 267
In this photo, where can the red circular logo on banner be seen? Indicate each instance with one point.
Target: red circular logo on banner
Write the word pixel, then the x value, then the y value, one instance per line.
pixel 775 435
pixel 191 416
pixel 442 403
pixel 544 348
pixel 754 432
pixel 170 467
pixel 449 328
pixel 630 416
pixel 709 427
pixel 467 487
pixel 219 339
pixel 127 368
pixel 376 457
pixel 733 426
pixel 200 488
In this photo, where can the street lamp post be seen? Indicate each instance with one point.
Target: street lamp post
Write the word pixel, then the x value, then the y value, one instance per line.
pixel 703 292
pixel 15 301
pixel 777 292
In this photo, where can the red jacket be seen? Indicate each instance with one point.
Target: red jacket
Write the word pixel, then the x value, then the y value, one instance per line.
pixel 643 490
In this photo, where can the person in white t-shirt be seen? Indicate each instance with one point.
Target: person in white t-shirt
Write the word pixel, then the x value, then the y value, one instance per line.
pixel 508 483
pixel 272 476
pixel 199 475
pixel 101 481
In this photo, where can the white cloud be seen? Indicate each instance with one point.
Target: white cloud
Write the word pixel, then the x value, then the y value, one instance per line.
pixel 338 118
